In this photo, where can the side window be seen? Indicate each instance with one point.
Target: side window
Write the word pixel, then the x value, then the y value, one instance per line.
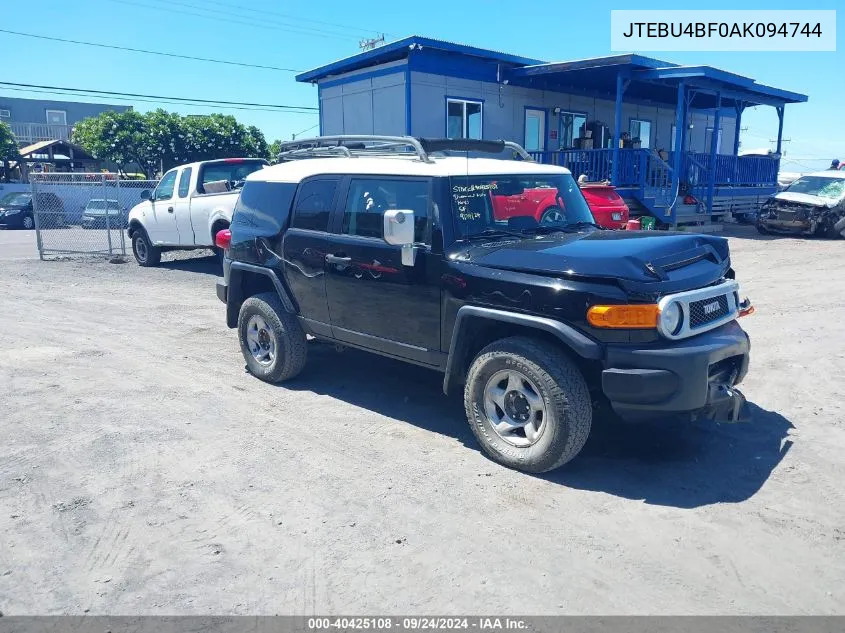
pixel 314 204
pixel 185 182
pixel 164 191
pixel 369 198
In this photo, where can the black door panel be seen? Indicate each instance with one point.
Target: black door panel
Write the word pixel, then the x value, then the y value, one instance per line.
pixel 374 294
pixel 304 269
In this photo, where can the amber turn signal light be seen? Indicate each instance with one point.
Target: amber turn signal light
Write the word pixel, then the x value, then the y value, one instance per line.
pixel 624 316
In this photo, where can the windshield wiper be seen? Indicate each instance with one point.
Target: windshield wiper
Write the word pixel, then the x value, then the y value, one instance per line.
pixel 582 224
pixel 493 233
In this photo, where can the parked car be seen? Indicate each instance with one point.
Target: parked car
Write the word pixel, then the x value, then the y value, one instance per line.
pixel 17 211
pixel 408 257
pixel 529 199
pixel 188 207
pixel 812 205
pixel 95 214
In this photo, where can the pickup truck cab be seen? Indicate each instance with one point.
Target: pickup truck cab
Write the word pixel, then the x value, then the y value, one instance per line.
pixel 409 256
pixel 188 207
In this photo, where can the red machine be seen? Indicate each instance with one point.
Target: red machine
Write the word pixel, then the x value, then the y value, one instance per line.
pixel 608 207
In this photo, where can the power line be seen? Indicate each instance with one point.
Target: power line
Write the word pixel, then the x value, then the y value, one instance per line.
pixel 159 97
pixel 160 101
pixel 148 52
pixel 308 129
pixel 230 20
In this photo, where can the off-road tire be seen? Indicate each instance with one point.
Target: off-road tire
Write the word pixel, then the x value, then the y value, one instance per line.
pixel 562 387
pixel 292 348
pixel 149 254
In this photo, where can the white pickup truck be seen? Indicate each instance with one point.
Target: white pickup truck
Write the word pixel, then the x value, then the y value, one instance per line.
pixel 188 207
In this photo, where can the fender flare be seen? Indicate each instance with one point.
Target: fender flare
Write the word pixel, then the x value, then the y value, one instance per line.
pixel 217 215
pixel 234 298
pixel 574 340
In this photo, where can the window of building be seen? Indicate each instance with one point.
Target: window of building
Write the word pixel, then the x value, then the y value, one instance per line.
pixel 708 139
pixel 185 182
pixel 535 130
pixel 641 129
pixel 56 117
pixel 314 204
pixel 572 126
pixel 369 198
pixel 5 114
pixel 463 118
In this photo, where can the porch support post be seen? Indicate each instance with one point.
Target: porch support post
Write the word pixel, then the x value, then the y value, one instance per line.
pixel 680 134
pixel 617 133
pixel 739 110
pixel 780 110
pixel 714 146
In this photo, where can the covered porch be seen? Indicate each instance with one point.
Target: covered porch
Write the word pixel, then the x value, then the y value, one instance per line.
pixel 678 183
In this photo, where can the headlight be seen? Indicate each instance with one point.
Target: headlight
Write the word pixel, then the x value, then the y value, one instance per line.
pixel 671 318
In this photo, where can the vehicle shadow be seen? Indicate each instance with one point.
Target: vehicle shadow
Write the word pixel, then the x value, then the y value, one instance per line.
pixel 750 232
pixel 671 463
pixel 207 264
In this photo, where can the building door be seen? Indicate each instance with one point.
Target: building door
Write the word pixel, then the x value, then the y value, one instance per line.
pixel 535 130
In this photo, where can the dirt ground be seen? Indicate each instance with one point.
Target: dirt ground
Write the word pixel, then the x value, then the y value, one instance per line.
pixel 144 472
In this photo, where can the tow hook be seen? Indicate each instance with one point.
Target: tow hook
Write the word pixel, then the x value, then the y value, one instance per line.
pixel 726 404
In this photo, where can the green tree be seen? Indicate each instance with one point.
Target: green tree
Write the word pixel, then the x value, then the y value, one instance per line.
pixel 160 140
pixel 275 148
pixel 8 149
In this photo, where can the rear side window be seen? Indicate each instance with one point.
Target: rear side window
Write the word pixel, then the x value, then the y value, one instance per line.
pixel 233 173
pixel 264 204
pixel 314 204
pixel 185 182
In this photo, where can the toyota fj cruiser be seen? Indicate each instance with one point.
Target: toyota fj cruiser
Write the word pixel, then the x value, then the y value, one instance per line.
pixel 394 245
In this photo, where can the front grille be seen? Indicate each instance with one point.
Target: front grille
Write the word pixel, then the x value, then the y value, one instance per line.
pixel 707 310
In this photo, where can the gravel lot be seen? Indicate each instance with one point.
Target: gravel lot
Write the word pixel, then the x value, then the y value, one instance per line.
pixel 144 472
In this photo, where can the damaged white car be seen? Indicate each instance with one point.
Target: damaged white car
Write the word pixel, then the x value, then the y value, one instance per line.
pixel 814 204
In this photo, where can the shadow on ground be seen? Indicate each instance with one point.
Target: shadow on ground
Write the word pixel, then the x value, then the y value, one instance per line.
pixel 205 264
pixel 670 463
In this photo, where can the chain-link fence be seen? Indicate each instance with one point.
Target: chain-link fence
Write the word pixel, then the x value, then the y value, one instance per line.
pixel 83 214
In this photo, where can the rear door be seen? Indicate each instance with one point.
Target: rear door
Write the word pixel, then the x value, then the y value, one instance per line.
pixel 163 229
pixel 182 207
pixel 374 300
pixel 305 247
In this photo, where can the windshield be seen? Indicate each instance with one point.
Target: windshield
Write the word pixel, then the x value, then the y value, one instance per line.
pixel 16 199
pixel 482 204
pixel 830 188
pixel 101 204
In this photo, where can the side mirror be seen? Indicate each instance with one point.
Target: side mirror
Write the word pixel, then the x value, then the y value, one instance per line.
pixel 146 194
pixel 399 231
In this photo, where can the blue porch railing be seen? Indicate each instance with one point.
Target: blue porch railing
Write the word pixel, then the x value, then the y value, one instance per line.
pixel 739 171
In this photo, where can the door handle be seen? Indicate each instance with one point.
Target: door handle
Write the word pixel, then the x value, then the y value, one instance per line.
pixel 335 259
pixel 170 209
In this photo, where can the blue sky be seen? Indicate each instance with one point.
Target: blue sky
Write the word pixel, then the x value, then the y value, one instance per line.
pixel 301 35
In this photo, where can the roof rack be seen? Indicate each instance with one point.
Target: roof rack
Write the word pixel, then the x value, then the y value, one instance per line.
pixel 357 145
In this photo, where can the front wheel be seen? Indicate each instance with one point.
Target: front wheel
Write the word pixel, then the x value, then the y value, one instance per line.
pixel 762 230
pixel 28 222
pixel 527 404
pixel 145 253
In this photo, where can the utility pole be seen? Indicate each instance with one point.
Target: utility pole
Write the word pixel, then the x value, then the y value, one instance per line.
pixel 371 43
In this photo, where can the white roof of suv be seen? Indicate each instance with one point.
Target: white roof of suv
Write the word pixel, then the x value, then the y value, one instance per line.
pixel 400 165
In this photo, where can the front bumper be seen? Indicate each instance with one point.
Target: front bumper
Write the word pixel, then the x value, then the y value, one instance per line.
pixel 695 375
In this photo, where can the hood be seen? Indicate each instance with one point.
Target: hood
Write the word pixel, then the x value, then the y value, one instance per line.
pixel 805 198
pixel 639 261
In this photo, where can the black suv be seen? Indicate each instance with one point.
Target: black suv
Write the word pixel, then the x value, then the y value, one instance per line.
pixel 437 259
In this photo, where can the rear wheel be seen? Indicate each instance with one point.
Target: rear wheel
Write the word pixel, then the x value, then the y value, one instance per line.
pixel 145 253
pixel 552 215
pixel 272 340
pixel 527 404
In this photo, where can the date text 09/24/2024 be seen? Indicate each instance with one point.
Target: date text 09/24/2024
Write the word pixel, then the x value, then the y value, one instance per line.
pixel 417 623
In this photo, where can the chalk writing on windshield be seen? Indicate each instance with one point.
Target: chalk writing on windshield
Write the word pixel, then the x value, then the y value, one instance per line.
pixel 463 196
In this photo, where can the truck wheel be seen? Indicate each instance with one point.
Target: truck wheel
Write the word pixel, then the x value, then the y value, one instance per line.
pixel 145 253
pixel 527 404
pixel 272 340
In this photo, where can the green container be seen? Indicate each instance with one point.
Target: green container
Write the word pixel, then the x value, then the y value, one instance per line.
pixel 647 223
